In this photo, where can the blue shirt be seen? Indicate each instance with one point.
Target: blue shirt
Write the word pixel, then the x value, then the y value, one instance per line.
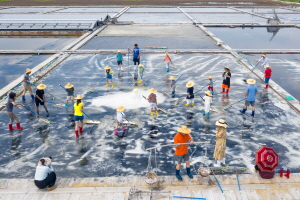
pixel 251 89
pixel 26 77
pixel 136 52
pixel 119 57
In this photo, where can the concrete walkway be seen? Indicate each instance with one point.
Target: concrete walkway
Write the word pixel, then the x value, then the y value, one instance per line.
pixel 118 188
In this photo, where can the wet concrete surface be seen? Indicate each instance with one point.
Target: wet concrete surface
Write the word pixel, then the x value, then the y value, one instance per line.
pixel 100 153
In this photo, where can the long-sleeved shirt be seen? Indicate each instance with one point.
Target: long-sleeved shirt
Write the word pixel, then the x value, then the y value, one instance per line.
pixel 264 61
pixel 120 116
pixel 42 172
pixel 210 83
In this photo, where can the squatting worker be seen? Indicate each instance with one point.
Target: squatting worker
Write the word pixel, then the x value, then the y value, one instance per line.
pixel 26 84
pixel 182 151
pixel 136 55
pixel 250 96
pixel 45 176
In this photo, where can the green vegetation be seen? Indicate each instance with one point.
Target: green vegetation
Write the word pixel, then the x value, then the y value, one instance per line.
pixel 4 0
pixel 43 0
pixel 296 1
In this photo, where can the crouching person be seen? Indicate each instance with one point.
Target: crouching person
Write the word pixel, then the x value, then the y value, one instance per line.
pixel 45 176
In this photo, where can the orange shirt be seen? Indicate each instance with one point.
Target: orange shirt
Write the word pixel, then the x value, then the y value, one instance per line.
pixel 167 59
pixel 182 149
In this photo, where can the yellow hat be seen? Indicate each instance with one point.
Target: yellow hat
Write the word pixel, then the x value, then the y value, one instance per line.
pixel 119 51
pixel 227 68
pixel 264 56
pixel 166 53
pixel 28 70
pixel 41 87
pixel 267 66
pixel 79 97
pixel 251 81
pixel 152 90
pixel 222 123
pixel 107 67
pixel 184 130
pixel 120 108
pixel 208 93
pixel 172 78
pixel 69 85
pixel 210 77
pixel 141 65
pixel 190 84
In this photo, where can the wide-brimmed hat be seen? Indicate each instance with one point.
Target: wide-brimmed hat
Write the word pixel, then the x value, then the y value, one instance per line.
pixel 221 122
pixel 184 130
pixel 28 70
pixel 107 67
pixel 120 108
pixel 210 77
pixel 69 85
pixel 208 93
pixel 267 66
pixel 166 53
pixel 264 55
pixel 41 87
pixel 79 97
pixel 141 65
pixel 251 81
pixel 152 90
pixel 227 68
pixel 119 51
pixel 172 78
pixel 190 84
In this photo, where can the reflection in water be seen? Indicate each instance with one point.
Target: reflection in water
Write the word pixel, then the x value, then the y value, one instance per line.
pixel 189 116
pixel 82 149
pixel 16 139
pixel 206 126
pixel 44 133
pixel 225 99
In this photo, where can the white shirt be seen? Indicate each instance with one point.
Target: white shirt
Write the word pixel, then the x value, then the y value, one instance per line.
pixel 264 61
pixel 120 116
pixel 42 172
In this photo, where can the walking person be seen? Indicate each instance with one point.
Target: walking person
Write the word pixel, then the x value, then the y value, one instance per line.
pixel 219 152
pixel 108 73
pixel 190 93
pixel 226 80
pixel 140 73
pixel 26 84
pixel 268 74
pixel 136 55
pixel 78 115
pixel 210 85
pixel 40 98
pixel 173 85
pixel 152 99
pixel 207 101
pixel 70 94
pixel 250 96
pixel 264 61
pixel 120 119
pixel 168 61
pixel 182 151
pixel 9 111
pixel 45 176
pixel 119 58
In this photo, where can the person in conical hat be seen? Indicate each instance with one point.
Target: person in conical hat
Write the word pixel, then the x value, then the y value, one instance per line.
pixel 120 119
pixel 109 73
pixel 182 151
pixel 250 96
pixel 263 61
pixel 70 94
pixel 141 70
pixel 78 115
pixel 210 84
pixel 190 93
pixel 152 99
pixel 173 85
pixel 219 152
pixel 168 61
pixel 268 74
pixel 27 84
pixel 40 98
pixel 226 80
pixel 207 101
pixel 119 58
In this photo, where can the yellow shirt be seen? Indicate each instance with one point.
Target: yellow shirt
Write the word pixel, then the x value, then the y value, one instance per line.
pixel 77 109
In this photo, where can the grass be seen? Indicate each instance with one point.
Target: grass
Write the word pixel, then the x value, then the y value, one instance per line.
pixel 4 0
pixel 296 1
pixel 42 0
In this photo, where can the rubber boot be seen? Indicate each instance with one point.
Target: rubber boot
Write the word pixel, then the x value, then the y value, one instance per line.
pixel 188 172
pixel 106 85
pixel 208 114
pixel 32 96
pixel 38 113
pixel 152 113
pixel 173 92
pixel 281 172
pixel 253 113
pixel 47 113
pixel 193 104
pixel 227 91
pixel 124 128
pixel 167 69
pixel 10 128
pixel 81 129
pixel 116 131
pixel 19 126
pixel 243 111
pixel 203 113
pixel 218 164
pixel 212 92
pixel 288 172
pixel 122 68
pixel 112 85
pixel 156 113
pixel 223 90
pixel 66 105
pixel 223 161
pixel 186 104
pixel 23 97
pixel 76 134
pixel 178 175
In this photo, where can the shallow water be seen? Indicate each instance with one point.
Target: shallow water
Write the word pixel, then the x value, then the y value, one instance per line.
pixel 155 18
pixel 100 153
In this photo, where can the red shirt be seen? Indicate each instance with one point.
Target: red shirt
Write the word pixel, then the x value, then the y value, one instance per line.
pixel 268 72
pixel 182 149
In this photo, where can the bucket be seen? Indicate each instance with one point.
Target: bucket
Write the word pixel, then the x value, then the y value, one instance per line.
pixel 151 178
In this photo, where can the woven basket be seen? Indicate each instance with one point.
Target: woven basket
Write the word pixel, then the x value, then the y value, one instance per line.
pixel 204 172
pixel 151 178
